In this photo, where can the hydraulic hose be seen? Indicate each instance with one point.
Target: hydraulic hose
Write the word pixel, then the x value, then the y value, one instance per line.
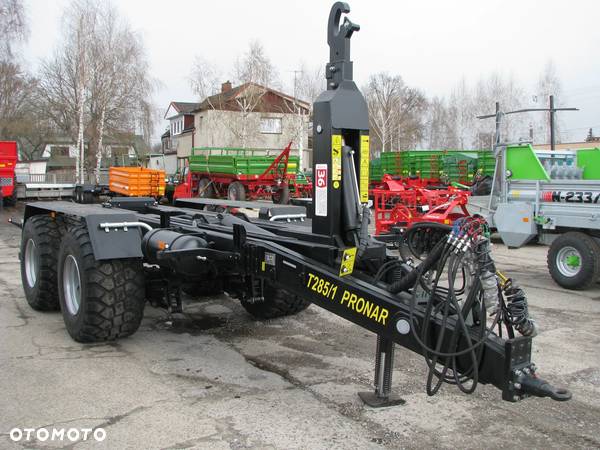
pixel 410 280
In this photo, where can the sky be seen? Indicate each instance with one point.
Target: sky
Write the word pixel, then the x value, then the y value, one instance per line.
pixel 432 44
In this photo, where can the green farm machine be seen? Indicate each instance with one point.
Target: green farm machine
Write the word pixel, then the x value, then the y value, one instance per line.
pixel 243 174
pixel 435 167
pixel 552 197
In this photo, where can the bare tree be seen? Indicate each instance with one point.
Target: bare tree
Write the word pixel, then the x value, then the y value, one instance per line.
pixel 462 104
pixel 205 78
pixel 21 119
pixel 467 102
pixel 255 72
pixel 15 92
pixel 256 67
pixel 309 83
pixel 382 95
pixel 97 82
pixel 506 91
pixel 13 26
pixel 548 84
pixel 440 130
pixel 120 87
pixel 396 112
pixel 411 114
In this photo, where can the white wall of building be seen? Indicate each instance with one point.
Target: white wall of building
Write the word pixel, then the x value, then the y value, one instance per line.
pixel 168 163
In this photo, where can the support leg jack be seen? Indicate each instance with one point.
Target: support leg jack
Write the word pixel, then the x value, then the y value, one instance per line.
pixel 384 366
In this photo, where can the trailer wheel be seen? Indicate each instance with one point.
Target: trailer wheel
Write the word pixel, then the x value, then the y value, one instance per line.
pixel 39 246
pixel 277 303
pixel 206 188
pixel 100 300
pixel 11 200
pixel 236 191
pixel 78 194
pixel 574 260
pixel 88 197
pixel 282 195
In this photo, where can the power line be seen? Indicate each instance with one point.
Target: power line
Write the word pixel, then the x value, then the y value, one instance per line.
pixel 551 109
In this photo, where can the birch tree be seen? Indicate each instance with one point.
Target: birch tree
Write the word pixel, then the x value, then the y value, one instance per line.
pixel 205 79
pixel 310 83
pixel 548 84
pixel 382 95
pixel 462 104
pixel 256 73
pixel 396 113
pixel 97 83
pixel 467 101
pixel 440 128
pixel 253 73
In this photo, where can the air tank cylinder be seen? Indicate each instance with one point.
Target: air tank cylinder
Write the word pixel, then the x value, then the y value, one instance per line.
pixel 160 239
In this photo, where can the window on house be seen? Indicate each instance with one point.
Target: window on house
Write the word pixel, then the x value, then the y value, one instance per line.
pixel 60 151
pixel 270 125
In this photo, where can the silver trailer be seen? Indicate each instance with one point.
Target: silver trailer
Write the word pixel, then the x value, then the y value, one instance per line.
pixel 553 198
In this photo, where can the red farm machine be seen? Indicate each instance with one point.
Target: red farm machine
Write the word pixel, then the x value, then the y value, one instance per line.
pixel 402 202
pixel 243 174
pixel 8 161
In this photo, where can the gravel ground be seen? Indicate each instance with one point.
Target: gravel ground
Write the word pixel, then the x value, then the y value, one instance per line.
pixel 217 378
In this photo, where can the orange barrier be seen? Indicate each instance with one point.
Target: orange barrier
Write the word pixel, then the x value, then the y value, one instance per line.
pixel 136 181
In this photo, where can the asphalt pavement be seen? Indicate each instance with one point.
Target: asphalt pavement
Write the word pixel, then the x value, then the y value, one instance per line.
pixel 217 378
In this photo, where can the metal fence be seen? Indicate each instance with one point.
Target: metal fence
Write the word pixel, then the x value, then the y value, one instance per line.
pixel 58 177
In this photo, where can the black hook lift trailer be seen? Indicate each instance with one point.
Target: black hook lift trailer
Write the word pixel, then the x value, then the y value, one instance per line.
pixel 100 263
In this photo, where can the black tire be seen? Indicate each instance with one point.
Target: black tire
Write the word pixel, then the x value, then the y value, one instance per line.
pixel 38 268
pixel 88 197
pixel 282 195
pixel 236 192
pixel 11 200
pixel 277 303
pixel 111 292
pixel 204 288
pixel 584 251
pixel 206 188
pixel 78 194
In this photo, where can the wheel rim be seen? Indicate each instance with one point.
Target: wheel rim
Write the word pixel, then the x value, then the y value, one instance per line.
pixel 72 284
pixel 31 262
pixel 568 261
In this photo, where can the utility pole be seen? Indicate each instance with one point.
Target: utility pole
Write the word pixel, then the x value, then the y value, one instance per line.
pixel 296 72
pixel 498 119
pixel 498 115
pixel 552 136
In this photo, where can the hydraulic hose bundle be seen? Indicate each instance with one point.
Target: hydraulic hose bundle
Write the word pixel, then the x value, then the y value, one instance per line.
pixel 457 284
